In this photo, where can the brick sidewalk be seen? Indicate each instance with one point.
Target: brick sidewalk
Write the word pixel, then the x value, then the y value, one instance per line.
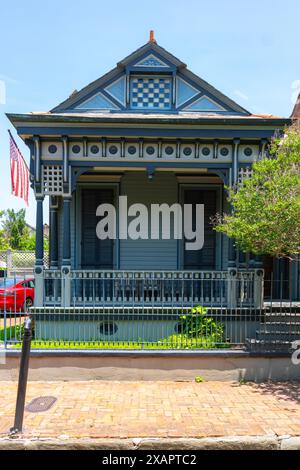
pixel 99 409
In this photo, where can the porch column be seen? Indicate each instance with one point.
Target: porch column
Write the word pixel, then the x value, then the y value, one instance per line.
pixel 39 254
pixel 53 233
pixel 232 279
pixel 258 288
pixel 258 281
pixel 232 254
pixel 232 251
pixel 66 253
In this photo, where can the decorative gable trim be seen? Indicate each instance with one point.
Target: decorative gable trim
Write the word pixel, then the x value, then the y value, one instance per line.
pixel 155 49
pixel 117 90
pixel 150 61
pixel 151 92
pixel 205 104
pixel 208 89
pixel 184 91
pixel 111 84
pixel 97 102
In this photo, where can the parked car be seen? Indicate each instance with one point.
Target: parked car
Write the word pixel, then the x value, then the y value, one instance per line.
pixel 16 294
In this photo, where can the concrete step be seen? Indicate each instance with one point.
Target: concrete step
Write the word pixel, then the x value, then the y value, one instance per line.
pixel 282 307
pixel 277 335
pixel 283 315
pixel 269 345
pixel 294 328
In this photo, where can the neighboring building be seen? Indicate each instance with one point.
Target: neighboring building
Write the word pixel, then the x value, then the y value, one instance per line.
pixel 32 230
pixel 296 110
pixel 154 131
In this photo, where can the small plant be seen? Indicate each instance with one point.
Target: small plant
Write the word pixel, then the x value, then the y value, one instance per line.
pixel 199 379
pixel 243 382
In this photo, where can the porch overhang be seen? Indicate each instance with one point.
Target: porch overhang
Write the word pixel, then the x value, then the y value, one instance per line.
pixel 189 125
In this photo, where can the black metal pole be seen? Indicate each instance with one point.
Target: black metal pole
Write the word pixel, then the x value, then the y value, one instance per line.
pixel 23 374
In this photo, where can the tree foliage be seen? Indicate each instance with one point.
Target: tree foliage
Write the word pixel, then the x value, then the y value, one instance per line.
pixel 4 244
pixel 15 234
pixel 14 226
pixel 266 208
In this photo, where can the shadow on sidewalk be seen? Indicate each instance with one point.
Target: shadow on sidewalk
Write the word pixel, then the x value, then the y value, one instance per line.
pixel 286 391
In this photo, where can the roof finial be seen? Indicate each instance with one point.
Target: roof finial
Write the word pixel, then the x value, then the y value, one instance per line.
pixel 152 38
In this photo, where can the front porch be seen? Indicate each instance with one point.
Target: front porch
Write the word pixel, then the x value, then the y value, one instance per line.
pixel 85 270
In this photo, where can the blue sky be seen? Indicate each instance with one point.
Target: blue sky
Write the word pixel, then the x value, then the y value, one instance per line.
pixel 250 51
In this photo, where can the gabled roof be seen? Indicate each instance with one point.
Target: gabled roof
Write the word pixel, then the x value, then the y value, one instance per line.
pixel 196 94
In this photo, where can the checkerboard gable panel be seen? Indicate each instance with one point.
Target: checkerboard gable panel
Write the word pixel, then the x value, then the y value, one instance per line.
pixel 151 93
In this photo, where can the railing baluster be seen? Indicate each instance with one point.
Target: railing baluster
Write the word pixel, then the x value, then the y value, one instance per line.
pixel 91 287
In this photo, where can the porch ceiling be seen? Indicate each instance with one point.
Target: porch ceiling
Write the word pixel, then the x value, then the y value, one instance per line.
pixel 185 175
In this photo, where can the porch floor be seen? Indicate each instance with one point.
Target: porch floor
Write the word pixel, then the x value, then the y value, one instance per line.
pixel 90 307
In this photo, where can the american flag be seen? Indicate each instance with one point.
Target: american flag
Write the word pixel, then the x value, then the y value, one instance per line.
pixel 18 171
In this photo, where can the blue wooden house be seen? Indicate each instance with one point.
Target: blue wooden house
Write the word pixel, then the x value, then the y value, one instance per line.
pixel 153 131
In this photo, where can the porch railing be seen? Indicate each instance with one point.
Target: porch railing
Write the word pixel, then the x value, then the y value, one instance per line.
pixel 166 288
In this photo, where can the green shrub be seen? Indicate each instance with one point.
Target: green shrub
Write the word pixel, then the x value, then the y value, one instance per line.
pixel 195 324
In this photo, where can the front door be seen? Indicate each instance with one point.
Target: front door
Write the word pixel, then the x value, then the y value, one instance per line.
pixel 205 258
pixel 95 253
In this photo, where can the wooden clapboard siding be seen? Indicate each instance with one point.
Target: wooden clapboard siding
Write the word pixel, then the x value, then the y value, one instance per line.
pixel 149 254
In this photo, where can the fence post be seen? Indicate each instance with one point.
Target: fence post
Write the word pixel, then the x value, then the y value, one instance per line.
pixel 294 278
pixel 258 288
pixel 39 286
pixel 65 286
pixel 23 375
pixel 232 288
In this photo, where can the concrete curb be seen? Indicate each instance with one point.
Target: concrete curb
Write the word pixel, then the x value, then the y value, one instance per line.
pixel 220 443
pixel 230 353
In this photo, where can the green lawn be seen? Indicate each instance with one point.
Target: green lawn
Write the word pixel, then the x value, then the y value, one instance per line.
pixel 173 342
pixel 167 343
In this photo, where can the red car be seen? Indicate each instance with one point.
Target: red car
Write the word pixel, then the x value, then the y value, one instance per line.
pixel 16 294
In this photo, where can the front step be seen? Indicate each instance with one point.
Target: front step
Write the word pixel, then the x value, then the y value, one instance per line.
pixel 289 323
pixel 278 335
pixel 257 345
pixel 282 316
pixel 277 332
pixel 279 326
